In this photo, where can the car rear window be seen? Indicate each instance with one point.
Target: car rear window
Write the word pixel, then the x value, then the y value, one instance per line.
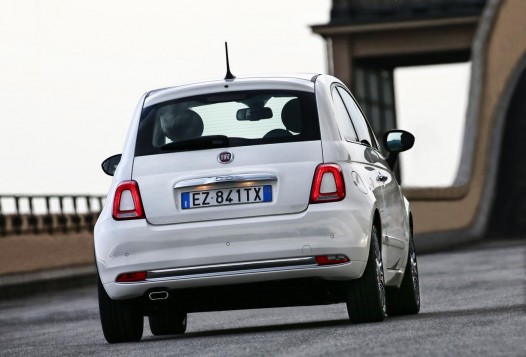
pixel 228 119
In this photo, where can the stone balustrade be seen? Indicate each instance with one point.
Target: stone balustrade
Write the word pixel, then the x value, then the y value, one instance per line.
pixel 37 214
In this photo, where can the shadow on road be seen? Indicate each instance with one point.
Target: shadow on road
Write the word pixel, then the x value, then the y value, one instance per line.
pixel 255 329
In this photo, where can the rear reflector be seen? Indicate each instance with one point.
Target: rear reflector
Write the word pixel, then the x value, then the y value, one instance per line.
pixel 131 277
pixel 331 259
pixel 328 184
pixel 127 203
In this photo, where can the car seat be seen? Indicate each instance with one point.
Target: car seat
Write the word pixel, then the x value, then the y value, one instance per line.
pixel 182 125
pixel 291 118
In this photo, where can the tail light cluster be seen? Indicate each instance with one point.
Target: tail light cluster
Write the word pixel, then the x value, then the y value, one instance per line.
pixel 328 184
pixel 127 203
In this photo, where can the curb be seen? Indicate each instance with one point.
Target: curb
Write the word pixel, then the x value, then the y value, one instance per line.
pixel 15 286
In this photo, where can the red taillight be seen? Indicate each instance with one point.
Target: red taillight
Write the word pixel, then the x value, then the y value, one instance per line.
pixel 331 259
pixel 131 277
pixel 328 184
pixel 127 203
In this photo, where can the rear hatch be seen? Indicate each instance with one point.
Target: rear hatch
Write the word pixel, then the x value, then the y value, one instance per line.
pixel 245 154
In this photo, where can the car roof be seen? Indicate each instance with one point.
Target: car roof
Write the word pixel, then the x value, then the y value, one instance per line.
pixel 295 81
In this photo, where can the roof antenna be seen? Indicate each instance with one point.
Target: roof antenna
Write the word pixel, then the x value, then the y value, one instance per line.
pixel 229 74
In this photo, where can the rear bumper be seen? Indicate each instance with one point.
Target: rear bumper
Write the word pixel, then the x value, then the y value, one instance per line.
pixel 229 252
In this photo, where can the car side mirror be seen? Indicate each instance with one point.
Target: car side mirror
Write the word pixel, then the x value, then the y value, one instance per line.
pixel 395 142
pixel 110 164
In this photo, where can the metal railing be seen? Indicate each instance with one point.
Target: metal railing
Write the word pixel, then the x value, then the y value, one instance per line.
pixel 35 214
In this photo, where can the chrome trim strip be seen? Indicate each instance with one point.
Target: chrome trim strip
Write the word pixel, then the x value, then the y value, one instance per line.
pixel 232 268
pixel 226 178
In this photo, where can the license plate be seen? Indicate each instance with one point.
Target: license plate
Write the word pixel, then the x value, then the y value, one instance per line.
pixel 227 196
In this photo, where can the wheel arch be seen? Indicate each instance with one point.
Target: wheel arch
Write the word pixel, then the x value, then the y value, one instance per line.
pixel 377 222
pixel 411 222
pixel 406 251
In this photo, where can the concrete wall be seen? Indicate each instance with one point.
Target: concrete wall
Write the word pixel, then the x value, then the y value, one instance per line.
pixel 32 253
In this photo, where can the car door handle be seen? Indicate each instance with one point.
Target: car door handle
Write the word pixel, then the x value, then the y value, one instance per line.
pixel 381 178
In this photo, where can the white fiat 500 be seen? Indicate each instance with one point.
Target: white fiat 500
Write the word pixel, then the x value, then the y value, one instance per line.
pixel 251 193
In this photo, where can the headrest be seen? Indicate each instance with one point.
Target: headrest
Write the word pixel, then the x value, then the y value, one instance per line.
pixel 277 133
pixel 291 115
pixel 182 125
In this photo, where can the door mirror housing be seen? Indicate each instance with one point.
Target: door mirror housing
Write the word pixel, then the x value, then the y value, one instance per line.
pixel 110 164
pixel 395 142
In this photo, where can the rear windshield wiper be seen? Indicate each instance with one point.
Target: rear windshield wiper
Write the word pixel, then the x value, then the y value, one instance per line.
pixel 199 143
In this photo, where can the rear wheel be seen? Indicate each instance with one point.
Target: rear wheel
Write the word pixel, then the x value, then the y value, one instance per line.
pixel 172 323
pixel 121 320
pixel 365 297
pixel 406 299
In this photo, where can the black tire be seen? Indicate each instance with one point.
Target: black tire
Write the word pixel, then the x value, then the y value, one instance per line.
pixel 406 299
pixel 365 297
pixel 121 320
pixel 173 323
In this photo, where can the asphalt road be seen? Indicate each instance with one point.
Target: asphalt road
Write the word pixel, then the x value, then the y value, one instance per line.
pixel 473 303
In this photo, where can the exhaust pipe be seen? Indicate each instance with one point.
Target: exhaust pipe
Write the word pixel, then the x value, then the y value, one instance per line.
pixel 158 295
